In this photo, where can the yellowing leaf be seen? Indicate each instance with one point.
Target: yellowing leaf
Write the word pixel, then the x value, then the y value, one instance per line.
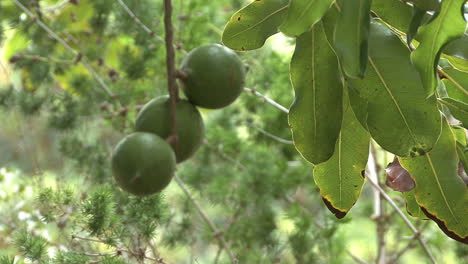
pixel 340 178
pixel 440 192
pixel 251 26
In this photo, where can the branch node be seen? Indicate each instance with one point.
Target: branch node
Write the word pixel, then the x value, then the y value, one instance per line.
pixel 180 74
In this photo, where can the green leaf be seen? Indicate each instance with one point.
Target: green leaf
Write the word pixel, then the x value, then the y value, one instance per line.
pixel 456 84
pixel 340 178
pixel 462 155
pixel 446 26
pixel 460 134
pixel 439 191
pixel 399 117
pixel 462 150
pixel 329 21
pixel 351 37
pixel 458 48
pixel 393 12
pixel 457 62
pixel 458 109
pixel 303 14
pixel 251 26
pixel 412 207
pixel 427 4
pixel 316 113
pixel 416 21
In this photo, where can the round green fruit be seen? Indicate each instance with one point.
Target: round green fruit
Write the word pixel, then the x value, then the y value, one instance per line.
pixel 155 117
pixel 215 76
pixel 143 163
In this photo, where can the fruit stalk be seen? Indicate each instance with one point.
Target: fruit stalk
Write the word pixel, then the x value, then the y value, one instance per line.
pixel 171 70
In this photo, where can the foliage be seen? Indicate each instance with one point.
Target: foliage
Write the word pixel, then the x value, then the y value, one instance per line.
pixel 60 204
pixel 392 89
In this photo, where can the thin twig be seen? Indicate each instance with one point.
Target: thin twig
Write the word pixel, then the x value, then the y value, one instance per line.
pixel 143 26
pixel 14 58
pixel 224 155
pixel 281 140
pixel 268 100
pixel 218 254
pixel 379 213
pixel 67 47
pixel 459 86
pixel 402 215
pixel 408 247
pixel 356 258
pixel 137 20
pixel 212 226
pixel 117 250
pixel 57 6
pixel 305 209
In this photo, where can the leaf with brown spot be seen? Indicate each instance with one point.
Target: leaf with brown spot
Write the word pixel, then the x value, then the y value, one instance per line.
pixel 439 191
pixel 339 179
pixel 251 26
pixel 412 206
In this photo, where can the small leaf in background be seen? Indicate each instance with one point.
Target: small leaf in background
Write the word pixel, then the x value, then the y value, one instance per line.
pixel 416 21
pixel 462 151
pixel 461 169
pixel 412 206
pixel 352 35
pixel 398 179
pixel 251 26
pixel 458 109
pixel 456 84
pixel 394 12
pixel 448 25
pixel 458 48
pixel 329 21
pixel 439 191
pixel 395 98
pixel 339 179
pixel 460 134
pixel 427 4
pixel 458 63
pixel 316 113
pixel 303 14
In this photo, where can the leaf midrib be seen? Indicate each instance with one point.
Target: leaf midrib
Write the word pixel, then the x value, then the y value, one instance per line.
pixel 314 88
pixel 439 186
pixel 305 10
pixel 393 99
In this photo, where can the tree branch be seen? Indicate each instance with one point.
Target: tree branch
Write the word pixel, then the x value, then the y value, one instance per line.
pixel 280 140
pixel 379 213
pixel 174 96
pixel 137 20
pixel 409 246
pixel 356 258
pixel 57 6
pixel 401 214
pixel 224 155
pixel 268 100
pixel 171 71
pixel 143 26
